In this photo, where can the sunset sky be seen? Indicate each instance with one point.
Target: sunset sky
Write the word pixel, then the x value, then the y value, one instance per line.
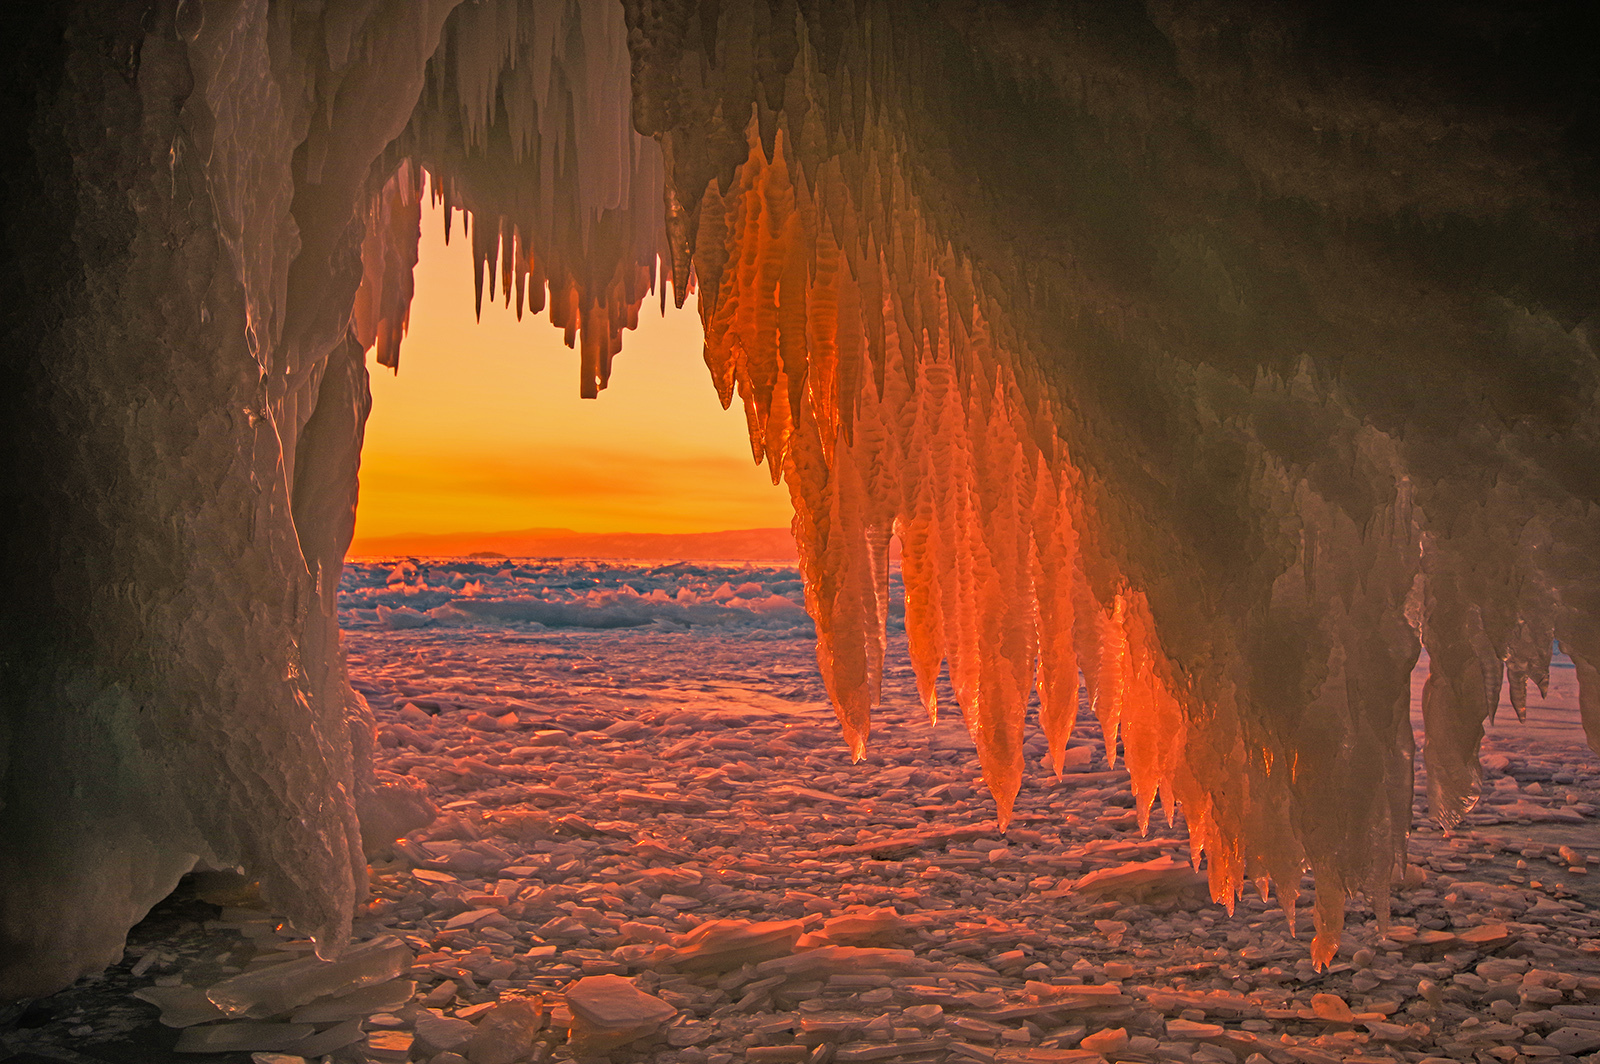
pixel 483 430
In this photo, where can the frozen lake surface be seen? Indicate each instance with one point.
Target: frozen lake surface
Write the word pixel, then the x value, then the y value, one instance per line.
pixel 695 763
pixel 640 776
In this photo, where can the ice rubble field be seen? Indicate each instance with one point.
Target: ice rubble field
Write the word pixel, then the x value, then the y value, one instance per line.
pixel 536 594
pixel 652 832
pixel 634 760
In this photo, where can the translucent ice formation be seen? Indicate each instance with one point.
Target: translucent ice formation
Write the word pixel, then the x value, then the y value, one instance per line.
pixel 901 388
pixel 281 987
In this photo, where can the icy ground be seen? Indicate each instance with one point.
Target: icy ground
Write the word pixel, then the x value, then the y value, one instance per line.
pixel 635 763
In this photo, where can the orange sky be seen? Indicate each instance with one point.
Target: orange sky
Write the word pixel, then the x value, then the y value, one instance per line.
pixel 483 430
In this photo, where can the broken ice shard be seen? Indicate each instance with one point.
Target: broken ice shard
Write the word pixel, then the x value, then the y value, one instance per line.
pixel 280 987
pixel 609 1011
pixel 723 945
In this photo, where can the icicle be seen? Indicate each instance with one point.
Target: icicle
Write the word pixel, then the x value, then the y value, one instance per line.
pixel 1054 550
pixel 530 126
pixel 388 255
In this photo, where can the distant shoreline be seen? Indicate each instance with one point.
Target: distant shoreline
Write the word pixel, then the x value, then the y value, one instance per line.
pixel 746 544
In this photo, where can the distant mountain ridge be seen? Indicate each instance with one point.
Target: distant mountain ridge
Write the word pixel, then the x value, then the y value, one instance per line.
pixel 744 544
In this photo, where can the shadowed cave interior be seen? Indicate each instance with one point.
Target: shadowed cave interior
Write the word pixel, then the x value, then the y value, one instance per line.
pixel 1225 355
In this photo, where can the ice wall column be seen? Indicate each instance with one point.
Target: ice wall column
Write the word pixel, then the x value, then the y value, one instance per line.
pixel 181 227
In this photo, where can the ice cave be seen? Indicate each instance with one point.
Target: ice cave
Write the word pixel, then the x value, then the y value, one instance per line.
pixel 1227 354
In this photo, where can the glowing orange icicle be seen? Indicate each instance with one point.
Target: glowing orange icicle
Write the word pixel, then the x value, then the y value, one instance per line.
pixel 922 538
pixel 880 383
pixel 842 557
pixel 1110 674
pixel 761 350
pixel 1055 551
pixel 1001 572
pixel 789 389
pixel 819 370
pixel 1152 730
pixel 710 256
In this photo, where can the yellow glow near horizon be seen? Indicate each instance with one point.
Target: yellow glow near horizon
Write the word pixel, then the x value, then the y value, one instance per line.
pixel 483 430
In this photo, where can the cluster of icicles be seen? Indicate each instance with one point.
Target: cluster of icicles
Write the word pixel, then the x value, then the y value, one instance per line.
pixel 573 192
pixel 592 321
pixel 893 409
pixel 878 386
pixel 882 385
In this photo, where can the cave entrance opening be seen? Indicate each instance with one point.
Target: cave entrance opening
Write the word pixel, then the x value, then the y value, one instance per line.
pixel 482 429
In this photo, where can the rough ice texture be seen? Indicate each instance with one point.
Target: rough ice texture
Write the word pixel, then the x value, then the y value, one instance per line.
pixel 186 439
pixel 1218 351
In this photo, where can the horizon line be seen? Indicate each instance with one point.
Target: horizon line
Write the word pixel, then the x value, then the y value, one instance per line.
pixel 763 543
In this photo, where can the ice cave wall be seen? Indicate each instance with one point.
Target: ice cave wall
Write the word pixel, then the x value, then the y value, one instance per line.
pixel 1217 349
pixel 184 206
